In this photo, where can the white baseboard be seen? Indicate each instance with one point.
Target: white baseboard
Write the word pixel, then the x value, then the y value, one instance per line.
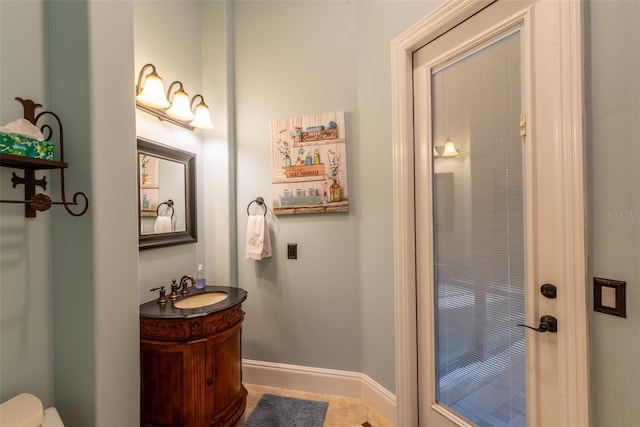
pixel 322 381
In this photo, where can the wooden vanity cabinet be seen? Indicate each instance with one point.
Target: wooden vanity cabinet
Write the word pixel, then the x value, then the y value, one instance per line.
pixel 191 370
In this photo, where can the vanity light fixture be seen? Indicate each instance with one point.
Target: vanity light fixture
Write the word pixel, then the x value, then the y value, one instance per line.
pixel 450 149
pixel 178 110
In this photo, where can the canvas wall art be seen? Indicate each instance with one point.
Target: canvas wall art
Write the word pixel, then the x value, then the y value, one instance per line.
pixel 309 164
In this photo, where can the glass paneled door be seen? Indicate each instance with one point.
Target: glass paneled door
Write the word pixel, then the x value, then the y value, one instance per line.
pixel 479 234
pixel 489 194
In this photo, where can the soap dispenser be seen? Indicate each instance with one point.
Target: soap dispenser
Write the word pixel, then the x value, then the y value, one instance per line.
pixel 201 282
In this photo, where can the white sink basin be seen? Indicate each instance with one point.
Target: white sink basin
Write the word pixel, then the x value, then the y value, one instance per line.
pixel 201 300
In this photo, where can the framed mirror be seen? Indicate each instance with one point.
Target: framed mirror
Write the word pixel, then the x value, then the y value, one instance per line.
pixel 166 195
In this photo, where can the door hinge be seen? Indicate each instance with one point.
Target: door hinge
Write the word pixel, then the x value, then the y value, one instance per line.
pixel 523 124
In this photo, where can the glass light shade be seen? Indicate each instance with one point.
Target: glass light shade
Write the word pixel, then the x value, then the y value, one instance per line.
pixel 450 149
pixel 435 152
pixel 180 108
pixel 153 92
pixel 202 119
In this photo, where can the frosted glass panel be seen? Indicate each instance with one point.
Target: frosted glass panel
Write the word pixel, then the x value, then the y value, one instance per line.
pixel 479 235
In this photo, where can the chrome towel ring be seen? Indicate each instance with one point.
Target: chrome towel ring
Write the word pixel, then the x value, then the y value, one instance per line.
pixel 260 202
pixel 169 204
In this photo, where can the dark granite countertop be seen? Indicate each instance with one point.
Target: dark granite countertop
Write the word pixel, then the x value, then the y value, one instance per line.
pixel 154 310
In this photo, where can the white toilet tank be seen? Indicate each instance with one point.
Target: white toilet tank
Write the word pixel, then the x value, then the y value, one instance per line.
pixel 26 410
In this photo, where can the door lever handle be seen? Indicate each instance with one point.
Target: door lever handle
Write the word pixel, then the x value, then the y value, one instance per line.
pixel 547 324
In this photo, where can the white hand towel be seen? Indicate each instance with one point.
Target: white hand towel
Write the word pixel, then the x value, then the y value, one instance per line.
pixel 258 241
pixel 162 225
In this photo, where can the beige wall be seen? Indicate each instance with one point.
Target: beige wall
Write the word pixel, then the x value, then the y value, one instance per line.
pixel 186 41
pixel 94 257
pixel 333 306
pixel 612 89
pixel 26 310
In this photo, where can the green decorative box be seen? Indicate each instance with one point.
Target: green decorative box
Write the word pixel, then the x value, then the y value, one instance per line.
pixel 20 145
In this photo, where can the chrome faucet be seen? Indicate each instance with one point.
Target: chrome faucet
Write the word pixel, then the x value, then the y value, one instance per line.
pixel 183 284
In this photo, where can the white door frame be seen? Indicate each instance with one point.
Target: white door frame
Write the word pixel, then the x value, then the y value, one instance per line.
pixel 573 358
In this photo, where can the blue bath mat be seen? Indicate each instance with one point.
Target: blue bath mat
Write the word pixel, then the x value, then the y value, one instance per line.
pixel 281 411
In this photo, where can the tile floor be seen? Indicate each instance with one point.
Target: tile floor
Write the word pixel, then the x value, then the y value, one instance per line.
pixel 342 412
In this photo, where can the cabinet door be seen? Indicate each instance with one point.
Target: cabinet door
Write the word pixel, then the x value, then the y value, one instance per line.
pixel 225 395
pixel 169 383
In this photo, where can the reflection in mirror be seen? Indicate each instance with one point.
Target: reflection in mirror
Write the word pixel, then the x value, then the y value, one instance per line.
pixel 162 206
pixel 166 192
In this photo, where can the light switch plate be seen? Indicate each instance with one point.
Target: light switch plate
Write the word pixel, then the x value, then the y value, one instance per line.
pixel 292 251
pixel 609 296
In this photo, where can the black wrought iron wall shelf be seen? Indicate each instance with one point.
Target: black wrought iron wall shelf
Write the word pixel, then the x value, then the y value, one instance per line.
pixel 34 202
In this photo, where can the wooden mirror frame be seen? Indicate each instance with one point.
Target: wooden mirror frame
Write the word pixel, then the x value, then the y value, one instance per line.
pixel 190 234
